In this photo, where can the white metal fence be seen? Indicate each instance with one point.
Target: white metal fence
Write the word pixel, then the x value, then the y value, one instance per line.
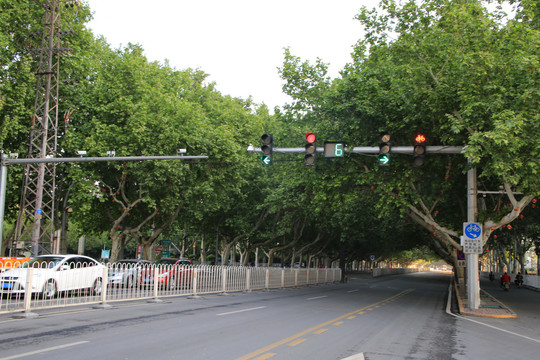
pixel 25 289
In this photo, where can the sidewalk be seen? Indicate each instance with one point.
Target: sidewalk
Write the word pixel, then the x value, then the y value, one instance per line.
pixel 489 306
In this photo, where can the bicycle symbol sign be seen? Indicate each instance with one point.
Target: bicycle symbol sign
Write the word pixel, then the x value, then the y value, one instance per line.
pixel 472 230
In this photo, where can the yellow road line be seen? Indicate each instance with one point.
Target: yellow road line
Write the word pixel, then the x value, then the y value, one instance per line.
pixel 313 329
pixel 296 342
pixel 265 356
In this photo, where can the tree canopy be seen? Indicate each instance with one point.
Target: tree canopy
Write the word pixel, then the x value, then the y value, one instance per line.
pixel 454 70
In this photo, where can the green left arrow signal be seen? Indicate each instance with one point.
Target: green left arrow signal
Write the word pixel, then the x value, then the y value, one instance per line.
pixel 266 159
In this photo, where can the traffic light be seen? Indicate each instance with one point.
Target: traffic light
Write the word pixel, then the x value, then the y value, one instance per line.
pixel 419 150
pixel 384 149
pixel 311 149
pixel 267 143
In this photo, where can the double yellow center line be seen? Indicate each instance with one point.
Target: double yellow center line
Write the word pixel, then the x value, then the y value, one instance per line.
pixel 317 329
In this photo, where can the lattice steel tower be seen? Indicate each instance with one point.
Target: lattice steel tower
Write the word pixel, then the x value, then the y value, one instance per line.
pixel 35 222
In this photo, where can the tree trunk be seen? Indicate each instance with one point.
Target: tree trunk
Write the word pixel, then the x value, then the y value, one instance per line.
pixel 225 252
pixel 117 248
pixel 203 250
pixel 271 257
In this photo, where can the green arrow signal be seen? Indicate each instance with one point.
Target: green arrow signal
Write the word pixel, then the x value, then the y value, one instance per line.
pixel 266 160
pixel 384 159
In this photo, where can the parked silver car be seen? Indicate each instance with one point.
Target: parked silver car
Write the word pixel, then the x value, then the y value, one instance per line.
pixel 125 272
pixel 52 274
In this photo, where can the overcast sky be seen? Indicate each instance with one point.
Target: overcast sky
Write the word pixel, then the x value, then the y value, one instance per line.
pixel 239 43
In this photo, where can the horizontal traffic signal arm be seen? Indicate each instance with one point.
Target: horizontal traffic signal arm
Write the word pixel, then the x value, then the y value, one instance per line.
pixel 6 161
pixel 375 150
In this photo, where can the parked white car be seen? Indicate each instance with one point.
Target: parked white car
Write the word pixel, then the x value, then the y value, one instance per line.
pixel 53 274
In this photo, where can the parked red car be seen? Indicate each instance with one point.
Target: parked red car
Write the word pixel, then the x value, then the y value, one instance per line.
pixel 171 273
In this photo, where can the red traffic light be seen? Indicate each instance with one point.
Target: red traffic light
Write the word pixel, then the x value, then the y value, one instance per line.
pixel 311 137
pixel 419 149
pixel 420 139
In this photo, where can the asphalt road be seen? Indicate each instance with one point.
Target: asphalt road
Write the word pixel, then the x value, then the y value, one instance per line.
pixel 395 317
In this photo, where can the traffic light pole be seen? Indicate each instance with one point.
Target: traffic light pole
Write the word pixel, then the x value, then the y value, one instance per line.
pixel 8 160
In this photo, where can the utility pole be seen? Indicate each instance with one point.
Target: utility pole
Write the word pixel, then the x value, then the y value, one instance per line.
pixel 473 284
pixel 36 214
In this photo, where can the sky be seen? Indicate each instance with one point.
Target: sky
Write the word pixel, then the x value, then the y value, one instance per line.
pixel 238 43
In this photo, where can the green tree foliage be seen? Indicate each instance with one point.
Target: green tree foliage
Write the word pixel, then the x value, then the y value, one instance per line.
pixel 453 70
pixel 141 108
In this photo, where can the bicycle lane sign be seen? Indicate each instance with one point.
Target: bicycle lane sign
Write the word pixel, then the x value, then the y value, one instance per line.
pixel 472 239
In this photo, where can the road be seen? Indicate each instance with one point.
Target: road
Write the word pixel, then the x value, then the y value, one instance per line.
pixel 394 317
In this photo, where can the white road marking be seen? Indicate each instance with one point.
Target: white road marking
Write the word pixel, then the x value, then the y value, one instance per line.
pixel 355 290
pixel 479 322
pixel 238 311
pixel 44 350
pixel 318 297
pixel 359 356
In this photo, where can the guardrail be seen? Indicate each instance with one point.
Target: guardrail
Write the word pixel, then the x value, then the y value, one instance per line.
pixel 70 287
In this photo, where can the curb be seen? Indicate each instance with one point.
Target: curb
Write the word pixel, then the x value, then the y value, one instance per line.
pixel 471 312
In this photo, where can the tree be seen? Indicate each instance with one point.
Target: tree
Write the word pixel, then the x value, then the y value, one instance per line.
pixel 142 108
pixel 442 67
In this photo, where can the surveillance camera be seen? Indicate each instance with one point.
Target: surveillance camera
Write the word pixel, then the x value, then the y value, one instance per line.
pixel 181 151
pixel 81 152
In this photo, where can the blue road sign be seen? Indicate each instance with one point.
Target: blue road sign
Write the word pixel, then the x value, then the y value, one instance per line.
pixel 473 230
pixel 460 255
